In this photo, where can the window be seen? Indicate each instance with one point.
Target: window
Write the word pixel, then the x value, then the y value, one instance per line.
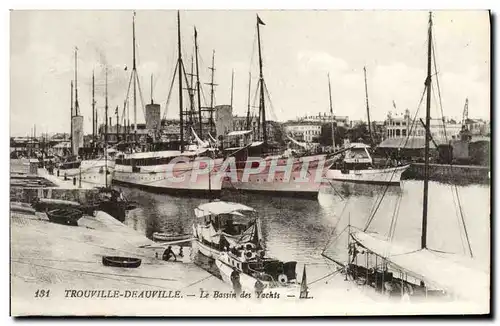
pixel 404 132
pixel 398 132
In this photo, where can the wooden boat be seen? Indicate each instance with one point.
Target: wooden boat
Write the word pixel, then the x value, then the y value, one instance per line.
pixel 154 170
pixel 125 262
pixel 168 237
pixel 223 224
pixel 43 204
pixel 95 170
pixel 357 167
pixel 246 266
pixel 402 271
pixel 258 150
pixel 22 208
pixel 67 216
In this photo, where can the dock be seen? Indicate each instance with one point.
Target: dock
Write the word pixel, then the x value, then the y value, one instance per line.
pixel 457 174
pixel 61 259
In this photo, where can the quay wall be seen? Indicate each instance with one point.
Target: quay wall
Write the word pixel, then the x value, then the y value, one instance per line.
pixel 56 257
pixel 458 174
pixel 27 195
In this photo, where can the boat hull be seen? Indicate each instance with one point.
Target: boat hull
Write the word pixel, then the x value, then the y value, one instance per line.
pixel 165 237
pixel 248 283
pixel 206 250
pixel 303 181
pixel 389 176
pixel 181 179
pixel 91 172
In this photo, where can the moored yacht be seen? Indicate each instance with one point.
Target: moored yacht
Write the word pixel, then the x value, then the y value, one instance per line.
pixel 356 166
pixel 184 170
pixel 221 225
pixel 169 171
pixel 272 172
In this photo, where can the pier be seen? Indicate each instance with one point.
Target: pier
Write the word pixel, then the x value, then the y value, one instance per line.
pixel 457 174
pixel 48 256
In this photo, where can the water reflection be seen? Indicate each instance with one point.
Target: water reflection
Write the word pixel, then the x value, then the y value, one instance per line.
pixel 300 229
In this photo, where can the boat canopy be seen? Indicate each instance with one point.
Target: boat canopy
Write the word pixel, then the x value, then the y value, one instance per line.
pixel 221 207
pixel 239 132
pixel 471 284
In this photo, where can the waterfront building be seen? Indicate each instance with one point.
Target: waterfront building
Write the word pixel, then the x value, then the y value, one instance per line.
pixel 326 118
pixel 400 126
pixel 306 131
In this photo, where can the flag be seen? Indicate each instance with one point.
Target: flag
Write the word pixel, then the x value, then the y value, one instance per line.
pixel 259 21
pixel 393 104
pixel 116 110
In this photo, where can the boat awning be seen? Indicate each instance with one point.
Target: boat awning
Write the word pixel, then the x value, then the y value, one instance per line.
pixel 239 132
pixel 221 207
pixel 442 271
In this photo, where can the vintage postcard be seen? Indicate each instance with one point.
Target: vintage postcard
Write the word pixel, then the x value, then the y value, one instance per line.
pixel 249 163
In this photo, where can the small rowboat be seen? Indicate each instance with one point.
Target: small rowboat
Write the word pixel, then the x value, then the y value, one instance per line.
pixel 168 237
pixel 22 208
pixel 67 216
pixel 43 204
pixel 116 261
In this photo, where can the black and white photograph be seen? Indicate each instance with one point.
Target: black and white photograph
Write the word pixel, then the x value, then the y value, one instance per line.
pixel 181 163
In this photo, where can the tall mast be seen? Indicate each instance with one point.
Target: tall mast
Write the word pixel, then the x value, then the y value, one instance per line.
pixel 262 106
pixel 331 111
pixel 428 84
pixel 212 92
pixel 77 107
pixel 106 110
pixel 93 109
pixel 152 102
pixel 248 106
pixel 71 119
pixel 232 88
pixel 106 131
pixel 191 91
pixel 117 125
pixel 368 108
pixel 134 76
pixel 124 128
pixel 198 92
pixel 179 62
pixel 465 115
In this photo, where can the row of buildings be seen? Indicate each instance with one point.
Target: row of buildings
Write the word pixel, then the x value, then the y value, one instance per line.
pixel 309 129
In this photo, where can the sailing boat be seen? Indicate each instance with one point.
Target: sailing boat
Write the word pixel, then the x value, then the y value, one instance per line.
pixel 94 170
pixel 396 269
pixel 175 171
pixel 283 182
pixel 356 164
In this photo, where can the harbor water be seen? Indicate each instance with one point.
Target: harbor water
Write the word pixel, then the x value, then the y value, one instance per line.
pixel 303 229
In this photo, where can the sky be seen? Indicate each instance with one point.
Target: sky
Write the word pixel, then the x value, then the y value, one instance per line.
pixel 299 49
